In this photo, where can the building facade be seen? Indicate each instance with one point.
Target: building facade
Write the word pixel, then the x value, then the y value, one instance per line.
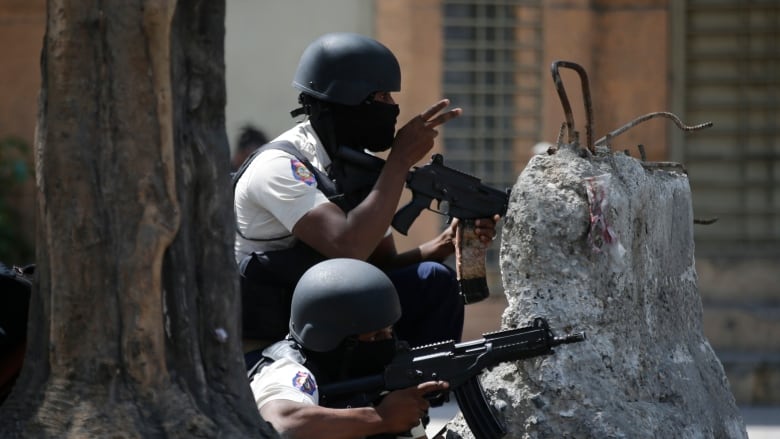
pixel 703 60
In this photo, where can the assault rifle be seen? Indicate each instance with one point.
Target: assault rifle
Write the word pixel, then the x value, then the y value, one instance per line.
pixel 460 364
pixel 458 195
pixel 461 196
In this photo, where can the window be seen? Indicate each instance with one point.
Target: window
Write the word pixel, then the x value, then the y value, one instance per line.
pixel 728 62
pixel 493 70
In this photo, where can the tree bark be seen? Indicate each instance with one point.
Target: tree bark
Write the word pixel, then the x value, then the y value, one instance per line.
pixel 133 325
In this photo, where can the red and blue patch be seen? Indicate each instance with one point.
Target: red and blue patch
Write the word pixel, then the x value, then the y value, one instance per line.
pixel 302 173
pixel 304 382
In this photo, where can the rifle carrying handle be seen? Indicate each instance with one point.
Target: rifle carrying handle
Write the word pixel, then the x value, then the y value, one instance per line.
pixel 470 255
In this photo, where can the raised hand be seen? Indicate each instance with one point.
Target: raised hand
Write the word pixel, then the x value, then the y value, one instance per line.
pixel 415 139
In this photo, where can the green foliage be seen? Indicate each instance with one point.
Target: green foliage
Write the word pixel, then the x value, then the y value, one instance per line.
pixel 14 171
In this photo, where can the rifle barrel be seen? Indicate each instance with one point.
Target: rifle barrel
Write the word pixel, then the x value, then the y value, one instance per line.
pixel 570 338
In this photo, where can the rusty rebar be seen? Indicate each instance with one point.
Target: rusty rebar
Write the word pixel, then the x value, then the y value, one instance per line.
pixel 665 166
pixel 647 117
pixel 573 137
pixel 642 153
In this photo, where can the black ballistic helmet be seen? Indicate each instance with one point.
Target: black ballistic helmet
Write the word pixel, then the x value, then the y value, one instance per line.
pixel 345 68
pixel 338 298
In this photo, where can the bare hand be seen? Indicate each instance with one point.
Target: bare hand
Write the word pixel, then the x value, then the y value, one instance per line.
pixel 441 247
pixel 415 139
pixel 401 410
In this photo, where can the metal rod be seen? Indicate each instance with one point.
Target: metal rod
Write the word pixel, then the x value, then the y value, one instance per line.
pixel 649 116
pixel 567 106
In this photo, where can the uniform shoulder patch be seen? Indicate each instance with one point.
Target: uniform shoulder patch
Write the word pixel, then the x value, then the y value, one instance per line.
pixel 302 173
pixel 304 382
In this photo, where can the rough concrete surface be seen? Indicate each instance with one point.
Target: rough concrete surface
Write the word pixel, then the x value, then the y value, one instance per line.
pixel 603 245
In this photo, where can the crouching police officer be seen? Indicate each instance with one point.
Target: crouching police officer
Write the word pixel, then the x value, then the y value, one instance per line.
pixel 300 200
pixel 340 328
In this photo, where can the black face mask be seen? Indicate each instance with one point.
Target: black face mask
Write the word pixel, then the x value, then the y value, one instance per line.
pixel 371 357
pixel 354 359
pixel 368 126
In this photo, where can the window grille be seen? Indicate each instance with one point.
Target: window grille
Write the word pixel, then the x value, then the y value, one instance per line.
pixel 728 54
pixel 493 70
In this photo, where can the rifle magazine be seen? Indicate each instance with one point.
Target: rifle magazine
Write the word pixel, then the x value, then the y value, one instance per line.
pixel 477 412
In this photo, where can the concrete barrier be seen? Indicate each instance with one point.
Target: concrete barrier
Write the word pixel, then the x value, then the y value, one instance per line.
pixel 603 244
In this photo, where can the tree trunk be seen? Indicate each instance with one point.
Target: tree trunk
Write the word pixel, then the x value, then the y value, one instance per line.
pixel 133 326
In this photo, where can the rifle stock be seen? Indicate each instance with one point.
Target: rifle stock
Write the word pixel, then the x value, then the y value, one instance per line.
pixel 360 158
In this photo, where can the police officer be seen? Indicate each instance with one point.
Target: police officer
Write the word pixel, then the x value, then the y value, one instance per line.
pixel 282 206
pixel 340 328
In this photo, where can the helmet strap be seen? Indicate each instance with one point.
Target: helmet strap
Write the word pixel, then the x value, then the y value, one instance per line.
pixel 297 112
pixel 304 109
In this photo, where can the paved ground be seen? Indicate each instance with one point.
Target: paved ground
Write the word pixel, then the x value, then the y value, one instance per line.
pixel 761 422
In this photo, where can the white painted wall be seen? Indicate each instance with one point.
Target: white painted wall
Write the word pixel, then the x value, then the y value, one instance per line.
pixel 263 43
